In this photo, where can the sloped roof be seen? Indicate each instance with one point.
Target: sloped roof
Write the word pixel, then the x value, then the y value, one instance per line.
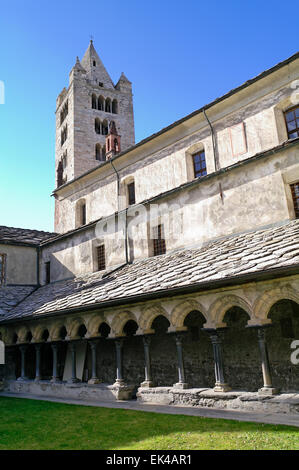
pixel 21 235
pixel 10 296
pixel 227 258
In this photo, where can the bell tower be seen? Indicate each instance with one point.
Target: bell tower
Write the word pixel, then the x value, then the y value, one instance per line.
pixel 84 113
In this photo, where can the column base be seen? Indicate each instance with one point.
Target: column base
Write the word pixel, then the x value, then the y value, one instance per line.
pixel 73 381
pixel 37 379
pixel 119 383
pixel 22 379
pixel 55 380
pixel 222 388
pixel 147 384
pixel 268 391
pixel 94 381
pixel 181 385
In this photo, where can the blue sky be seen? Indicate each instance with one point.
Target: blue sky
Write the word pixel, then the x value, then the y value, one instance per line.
pixel 179 56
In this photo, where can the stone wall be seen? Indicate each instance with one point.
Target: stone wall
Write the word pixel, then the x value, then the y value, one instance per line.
pixel 166 161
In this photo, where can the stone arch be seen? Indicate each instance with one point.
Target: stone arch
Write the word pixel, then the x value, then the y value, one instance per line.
pixel 93 101
pixel 119 321
pixel 219 308
pixel 265 301
pixel 97 126
pixel 93 324
pixel 108 105
pixel 22 333
pixel 73 327
pixel 6 335
pixel 181 310
pixel 114 106
pixel 80 212
pixel 55 330
pixel 148 316
pixel 101 103
pixel 105 127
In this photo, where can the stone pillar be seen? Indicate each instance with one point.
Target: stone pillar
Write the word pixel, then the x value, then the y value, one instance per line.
pixel 181 370
pixel 23 348
pixel 147 362
pixel 55 377
pixel 267 388
pixel 119 372
pixel 94 378
pixel 37 362
pixel 74 378
pixel 220 385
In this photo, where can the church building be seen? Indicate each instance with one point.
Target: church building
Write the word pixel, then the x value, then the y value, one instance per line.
pixel 172 274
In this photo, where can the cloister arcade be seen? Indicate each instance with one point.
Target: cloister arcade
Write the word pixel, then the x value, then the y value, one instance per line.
pixel 222 340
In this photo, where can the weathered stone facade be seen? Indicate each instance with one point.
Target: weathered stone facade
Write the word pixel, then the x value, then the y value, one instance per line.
pixel 218 309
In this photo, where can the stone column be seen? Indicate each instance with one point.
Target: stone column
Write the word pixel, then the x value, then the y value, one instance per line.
pixel 147 362
pixel 220 385
pixel 23 349
pixel 267 388
pixel 181 370
pixel 55 377
pixel 94 378
pixel 37 362
pixel 74 378
pixel 119 372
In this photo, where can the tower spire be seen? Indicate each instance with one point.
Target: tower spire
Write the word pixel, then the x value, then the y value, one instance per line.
pixel 95 68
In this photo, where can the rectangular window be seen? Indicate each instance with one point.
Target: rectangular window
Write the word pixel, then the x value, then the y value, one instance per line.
pixel 159 241
pixel 292 122
pixel 48 272
pixel 83 214
pixel 101 257
pixel 199 164
pixel 131 193
pixel 295 196
pixel 2 269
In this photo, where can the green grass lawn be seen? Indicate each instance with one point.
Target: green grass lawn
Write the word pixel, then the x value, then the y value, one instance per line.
pixel 30 424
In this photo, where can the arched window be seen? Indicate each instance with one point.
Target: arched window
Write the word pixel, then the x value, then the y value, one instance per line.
pixel 94 102
pixel 104 152
pixel 81 213
pixel 114 107
pixel 98 152
pixel 105 127
pixel 100 103
pixel 97 126
pixel 108 105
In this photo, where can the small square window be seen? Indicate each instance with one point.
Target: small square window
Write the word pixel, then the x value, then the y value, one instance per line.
pixel 94 63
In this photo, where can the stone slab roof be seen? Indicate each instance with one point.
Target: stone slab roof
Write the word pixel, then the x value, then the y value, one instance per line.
pixel 226 258
pixel 21 235
pixel 10 296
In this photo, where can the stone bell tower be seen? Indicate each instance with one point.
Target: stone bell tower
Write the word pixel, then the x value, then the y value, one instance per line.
pixel 84 112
